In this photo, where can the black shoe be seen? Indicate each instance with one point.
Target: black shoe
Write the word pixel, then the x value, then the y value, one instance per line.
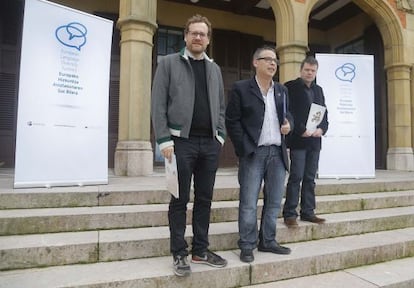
pixel 313 219
pixel 209 258
pixel 274 248
pixel 181 266
pixel 246 255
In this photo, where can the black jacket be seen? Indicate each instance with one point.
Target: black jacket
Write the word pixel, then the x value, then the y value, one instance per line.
pixel 299 107
pixel 245 115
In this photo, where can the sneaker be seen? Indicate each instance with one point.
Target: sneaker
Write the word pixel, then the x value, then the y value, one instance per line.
pixel 181 266
pixel 274 248
pixel 209 258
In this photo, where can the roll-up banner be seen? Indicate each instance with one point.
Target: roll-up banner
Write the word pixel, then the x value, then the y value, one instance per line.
pixel 62 125
pixel 348 149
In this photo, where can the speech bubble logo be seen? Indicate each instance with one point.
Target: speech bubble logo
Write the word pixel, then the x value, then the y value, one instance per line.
pixel 72 35
pixel 346 72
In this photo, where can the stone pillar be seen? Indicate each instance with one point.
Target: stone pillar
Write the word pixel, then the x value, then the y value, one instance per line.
pixel 400 151
pixel 137 23
pixel 412 105
pixel 291 35
pixel 290 56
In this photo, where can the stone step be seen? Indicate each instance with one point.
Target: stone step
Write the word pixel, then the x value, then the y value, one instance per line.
pixel 307 258
pixel 38 250
pixel 152 190
pixel 390 274
pixel 50 220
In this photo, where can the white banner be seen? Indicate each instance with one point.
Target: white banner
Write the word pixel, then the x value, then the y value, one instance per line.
pixel 62 125
pixel 348 150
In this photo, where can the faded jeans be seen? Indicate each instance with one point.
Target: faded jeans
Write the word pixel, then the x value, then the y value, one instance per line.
pixel 266 164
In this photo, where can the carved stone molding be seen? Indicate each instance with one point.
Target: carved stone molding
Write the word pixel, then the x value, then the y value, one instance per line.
pixel 406 5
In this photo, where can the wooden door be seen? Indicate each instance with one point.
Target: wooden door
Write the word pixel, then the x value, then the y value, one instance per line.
pixel 11 23
pixel 233 51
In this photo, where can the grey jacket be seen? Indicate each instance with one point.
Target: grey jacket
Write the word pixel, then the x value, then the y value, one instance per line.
pixel 172 99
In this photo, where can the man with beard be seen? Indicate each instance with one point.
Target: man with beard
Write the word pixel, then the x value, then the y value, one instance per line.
pixel 188 118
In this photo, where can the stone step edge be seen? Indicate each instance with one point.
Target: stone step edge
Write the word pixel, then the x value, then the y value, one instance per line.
pixel 51 220
pixel 25 251
pixel 36 212
pixel 312 257
pixel 90 196
pixel 389 274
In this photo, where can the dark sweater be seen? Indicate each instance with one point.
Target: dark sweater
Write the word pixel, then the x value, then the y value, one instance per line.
pixel 201 123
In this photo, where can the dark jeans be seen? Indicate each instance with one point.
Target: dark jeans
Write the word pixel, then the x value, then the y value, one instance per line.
pixel 197 157
pixel 303 168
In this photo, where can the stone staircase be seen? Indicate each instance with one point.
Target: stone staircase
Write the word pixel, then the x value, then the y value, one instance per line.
pixel 117 235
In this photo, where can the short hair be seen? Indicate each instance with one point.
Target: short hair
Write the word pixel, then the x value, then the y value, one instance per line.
pixel 309 60
pixel 261 49
pixel 197 19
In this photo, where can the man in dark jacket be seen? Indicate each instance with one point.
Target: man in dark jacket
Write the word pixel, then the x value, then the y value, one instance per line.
pixel 257 120
pixel 304 144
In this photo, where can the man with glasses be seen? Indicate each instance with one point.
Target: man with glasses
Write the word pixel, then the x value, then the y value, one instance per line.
pixel 188 118
pixel 257 120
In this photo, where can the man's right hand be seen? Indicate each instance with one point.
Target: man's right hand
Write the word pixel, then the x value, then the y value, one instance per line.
pixel 167 152
pixel 306 134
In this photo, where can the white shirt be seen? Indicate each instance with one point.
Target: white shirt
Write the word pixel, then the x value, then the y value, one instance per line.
pixel 270 134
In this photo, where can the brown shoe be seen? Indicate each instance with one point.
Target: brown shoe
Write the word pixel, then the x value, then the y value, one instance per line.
pixel 313 219
pixel 291 222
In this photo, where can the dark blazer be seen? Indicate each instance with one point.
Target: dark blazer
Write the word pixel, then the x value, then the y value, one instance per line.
pixel 245 116
pixel 299 107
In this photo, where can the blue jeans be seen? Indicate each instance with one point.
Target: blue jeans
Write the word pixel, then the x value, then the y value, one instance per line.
pixel 303 168
pixel 266 164
pixel 197 157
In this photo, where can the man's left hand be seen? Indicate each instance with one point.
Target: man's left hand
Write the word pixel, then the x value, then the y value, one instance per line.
pixel 285 128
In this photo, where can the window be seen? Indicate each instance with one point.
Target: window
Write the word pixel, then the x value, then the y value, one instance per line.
pixel 169 40
pixel 354 47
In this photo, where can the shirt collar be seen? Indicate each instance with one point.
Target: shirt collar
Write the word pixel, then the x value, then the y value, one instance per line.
pixel 272 84
pixel 188 54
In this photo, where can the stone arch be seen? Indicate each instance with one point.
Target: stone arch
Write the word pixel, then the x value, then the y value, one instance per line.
pixel 390 26
pixel 291 36
pixel 282 10
pixel 292 44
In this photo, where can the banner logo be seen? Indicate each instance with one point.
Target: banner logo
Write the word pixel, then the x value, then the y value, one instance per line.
pixel 346 72
pixel 72 35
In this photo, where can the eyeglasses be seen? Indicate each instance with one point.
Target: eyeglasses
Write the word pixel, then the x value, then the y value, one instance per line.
pixel 269 60
pixel 194 34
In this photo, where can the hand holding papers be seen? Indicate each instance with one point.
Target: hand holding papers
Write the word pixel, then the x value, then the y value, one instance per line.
pixel 315 117
pixel 172 176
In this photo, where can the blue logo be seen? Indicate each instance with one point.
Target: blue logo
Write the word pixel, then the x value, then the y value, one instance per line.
pixel 72 35
pixel 346 72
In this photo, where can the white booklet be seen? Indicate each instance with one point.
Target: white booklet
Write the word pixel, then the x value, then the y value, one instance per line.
pixel 315 117
pixel 172 176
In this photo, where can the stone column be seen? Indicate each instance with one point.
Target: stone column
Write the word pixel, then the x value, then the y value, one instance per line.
pixel 137 23
pixel 400 151
pixel 290 56
pixel 291 35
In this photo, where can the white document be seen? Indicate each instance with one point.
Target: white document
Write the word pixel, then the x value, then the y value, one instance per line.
pixel 316 113
pixel 171 174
